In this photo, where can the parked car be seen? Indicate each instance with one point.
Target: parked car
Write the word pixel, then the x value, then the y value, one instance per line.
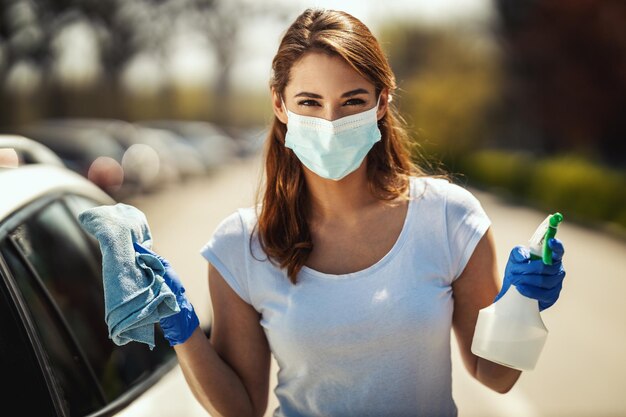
pixel 55 354
pixel 250 140
pixel 91 153
pixel 213 144
pixel 187 158
pixel 176 157
pixel 147 165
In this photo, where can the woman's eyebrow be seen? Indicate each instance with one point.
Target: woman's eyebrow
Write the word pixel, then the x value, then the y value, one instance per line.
pixel 346 94
pixel 307 94
pixel 355 92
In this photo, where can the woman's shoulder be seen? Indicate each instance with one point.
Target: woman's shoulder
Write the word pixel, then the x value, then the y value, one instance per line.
pixel 436 187
pixel 443 191
pixel 231 236
pixel 240 222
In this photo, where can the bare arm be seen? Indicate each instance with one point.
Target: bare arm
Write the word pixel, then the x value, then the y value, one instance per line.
pixel 475 289
pixel 229 375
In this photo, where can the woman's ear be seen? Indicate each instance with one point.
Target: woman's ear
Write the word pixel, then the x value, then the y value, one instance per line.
pixel 383 104
pixel 277 107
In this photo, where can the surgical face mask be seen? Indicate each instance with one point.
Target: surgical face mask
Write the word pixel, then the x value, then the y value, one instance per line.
pixel 332 149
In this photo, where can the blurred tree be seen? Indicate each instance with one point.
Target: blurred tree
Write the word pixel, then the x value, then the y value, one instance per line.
pixel 45 71
pixel 567 65
pixel 222 22
pixel 449 84
pixel 22 46
pixel 76 47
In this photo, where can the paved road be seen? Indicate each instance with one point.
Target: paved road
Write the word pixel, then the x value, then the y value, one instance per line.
pixel 582 369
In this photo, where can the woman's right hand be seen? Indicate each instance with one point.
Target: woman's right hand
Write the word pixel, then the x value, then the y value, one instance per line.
pixel 178 327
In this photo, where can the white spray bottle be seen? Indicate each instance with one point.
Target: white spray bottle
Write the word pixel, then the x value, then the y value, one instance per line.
pixel 510 331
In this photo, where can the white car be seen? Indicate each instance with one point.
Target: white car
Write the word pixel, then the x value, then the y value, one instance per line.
pixel 55 354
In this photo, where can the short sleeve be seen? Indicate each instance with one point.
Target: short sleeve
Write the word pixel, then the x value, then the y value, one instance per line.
pixel 226 251
pixel 466 223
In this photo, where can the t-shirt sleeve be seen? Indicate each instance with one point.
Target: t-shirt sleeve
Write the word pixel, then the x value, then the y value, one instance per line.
pixel 466 223
pixel 226 251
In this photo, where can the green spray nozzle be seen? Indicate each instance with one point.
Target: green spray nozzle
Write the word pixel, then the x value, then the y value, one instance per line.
pixel 554 221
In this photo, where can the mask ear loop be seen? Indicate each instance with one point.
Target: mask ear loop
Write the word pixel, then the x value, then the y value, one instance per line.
pixel 389 99
pixel 284 107
pixel 378 104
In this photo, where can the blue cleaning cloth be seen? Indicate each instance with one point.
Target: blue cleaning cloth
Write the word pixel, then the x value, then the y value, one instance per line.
pixel 135 294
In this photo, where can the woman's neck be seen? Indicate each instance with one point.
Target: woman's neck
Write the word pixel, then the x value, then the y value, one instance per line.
pixel 342 200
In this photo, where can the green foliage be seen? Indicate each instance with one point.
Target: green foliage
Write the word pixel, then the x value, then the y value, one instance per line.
pixel 588 190
pixel 449 83
pixel 507 171
pixel 571 184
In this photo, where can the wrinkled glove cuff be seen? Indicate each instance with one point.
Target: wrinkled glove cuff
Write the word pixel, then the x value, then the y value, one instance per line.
pixel 179 327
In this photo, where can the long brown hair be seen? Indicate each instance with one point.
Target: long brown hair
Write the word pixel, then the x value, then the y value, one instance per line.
pixel 283 230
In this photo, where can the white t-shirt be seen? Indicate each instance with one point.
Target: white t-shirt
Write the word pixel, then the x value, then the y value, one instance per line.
pixel 370 343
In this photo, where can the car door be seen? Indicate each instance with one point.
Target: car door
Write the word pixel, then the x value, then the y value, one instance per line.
pixel 52 279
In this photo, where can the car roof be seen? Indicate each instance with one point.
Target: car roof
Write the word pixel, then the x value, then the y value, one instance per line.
pixel 40 153
pixel 25 184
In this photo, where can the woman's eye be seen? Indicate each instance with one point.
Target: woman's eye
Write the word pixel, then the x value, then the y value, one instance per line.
pixel 354 102
pixel 308 103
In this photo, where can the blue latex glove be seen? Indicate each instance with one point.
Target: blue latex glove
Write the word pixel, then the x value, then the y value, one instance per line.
pixel 179 327
pixel 533 278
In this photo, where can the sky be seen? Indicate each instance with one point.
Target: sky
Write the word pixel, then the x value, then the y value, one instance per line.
pixel 434 11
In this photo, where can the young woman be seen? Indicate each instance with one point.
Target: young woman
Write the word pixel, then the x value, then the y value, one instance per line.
pixel 356 265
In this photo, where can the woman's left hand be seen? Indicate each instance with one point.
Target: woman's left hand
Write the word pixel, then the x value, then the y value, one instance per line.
pixel 179 327
pixel 533 278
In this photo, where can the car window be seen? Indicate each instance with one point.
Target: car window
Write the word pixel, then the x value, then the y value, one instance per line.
pixel 71 375
pixel 68 262
pixel 24 380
